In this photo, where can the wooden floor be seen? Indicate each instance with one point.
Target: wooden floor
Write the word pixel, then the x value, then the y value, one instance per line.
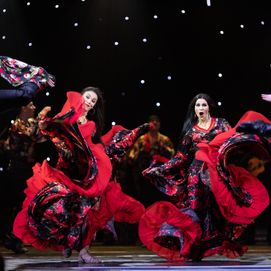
pixel 131 258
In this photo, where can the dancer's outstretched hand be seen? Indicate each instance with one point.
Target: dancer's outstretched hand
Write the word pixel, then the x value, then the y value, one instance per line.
pixel 41 117
pixel 51 82
pixel 266 97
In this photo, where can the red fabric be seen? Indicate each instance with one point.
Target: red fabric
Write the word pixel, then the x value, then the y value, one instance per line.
pixel 241 177
pixel 106 138
pixel 155 216
pixel 76 101
pixel 160 158
pixel 248 116
pixel 114 203
pixel 124 207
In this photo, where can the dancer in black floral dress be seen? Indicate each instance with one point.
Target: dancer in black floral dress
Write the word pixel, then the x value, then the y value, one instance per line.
pixel 214 193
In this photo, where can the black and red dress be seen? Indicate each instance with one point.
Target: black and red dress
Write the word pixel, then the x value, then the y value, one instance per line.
pixel 213 197
pixel 65 205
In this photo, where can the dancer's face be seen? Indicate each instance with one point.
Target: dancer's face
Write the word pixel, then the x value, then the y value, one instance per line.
pixel 202 109
pixel 91 99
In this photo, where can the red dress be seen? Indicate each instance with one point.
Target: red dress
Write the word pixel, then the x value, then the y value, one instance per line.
pixel 65 205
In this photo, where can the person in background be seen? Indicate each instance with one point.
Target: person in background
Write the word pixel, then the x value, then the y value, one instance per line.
pixel 67 204
pixel 212 184
pixel 151 146
pixel 17 155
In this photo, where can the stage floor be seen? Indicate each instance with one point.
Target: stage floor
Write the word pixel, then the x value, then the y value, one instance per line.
pixel 132 258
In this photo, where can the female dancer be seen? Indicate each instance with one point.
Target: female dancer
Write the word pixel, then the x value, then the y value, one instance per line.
pixel 65 205
pixel 213 197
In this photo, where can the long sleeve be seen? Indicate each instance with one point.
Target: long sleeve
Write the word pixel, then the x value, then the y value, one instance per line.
pixel 123 141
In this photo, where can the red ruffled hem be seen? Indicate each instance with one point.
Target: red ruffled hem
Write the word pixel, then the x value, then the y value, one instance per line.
pixel 114 203
pixel 159 213
pixel 240 177
pixel 229 249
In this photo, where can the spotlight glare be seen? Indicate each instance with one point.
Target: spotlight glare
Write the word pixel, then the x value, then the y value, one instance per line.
pixel 116 43
pixel 221 32
pixel 1 169
pixel 155 16
pixel 47 93
pixel 30 44
pixel 219 103
pixel 169 77
pixel 4 10
pixel 144 40
pixel 242 26
pixel 126 18
pixel 3 37
pixel 12 121
pixel 113 123
pixel 88 47
pixel 56 6
pixel 183 11
pixel 28 3
pixel 220 74
pixel 142 82
pixel 48 159
pixel 75 24
pixel 157 104
pixel 262 22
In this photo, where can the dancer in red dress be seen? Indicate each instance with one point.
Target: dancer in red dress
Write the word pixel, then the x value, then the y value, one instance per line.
pixel 213 185
pixel 65 205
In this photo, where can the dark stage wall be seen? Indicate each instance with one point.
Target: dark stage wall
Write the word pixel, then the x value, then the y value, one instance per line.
pixel 188 44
